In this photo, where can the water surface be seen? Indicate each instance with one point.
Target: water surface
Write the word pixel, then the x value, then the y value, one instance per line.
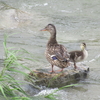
pixel 76 22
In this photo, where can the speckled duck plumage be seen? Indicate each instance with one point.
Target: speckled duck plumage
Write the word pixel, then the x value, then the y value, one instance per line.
pixel 55 53
pixel 79 55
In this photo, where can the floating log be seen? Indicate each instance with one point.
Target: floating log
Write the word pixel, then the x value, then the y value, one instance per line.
pixel 42 77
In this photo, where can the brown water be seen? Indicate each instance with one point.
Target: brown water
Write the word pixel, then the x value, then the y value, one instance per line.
pixel 76 22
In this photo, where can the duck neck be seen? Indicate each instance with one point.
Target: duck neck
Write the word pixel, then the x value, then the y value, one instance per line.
pixel 83 49
pixel 52 40
pixel 85 52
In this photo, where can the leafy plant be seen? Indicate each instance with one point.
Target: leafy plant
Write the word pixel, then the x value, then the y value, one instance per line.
pixel 9 86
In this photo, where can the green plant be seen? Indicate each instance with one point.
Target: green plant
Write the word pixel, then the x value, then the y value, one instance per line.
pixel 9 86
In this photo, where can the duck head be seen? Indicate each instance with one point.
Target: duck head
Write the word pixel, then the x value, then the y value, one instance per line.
pixel 83 46
pixel 50 28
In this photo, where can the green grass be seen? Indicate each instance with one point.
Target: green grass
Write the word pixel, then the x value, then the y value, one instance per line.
pixel 10 87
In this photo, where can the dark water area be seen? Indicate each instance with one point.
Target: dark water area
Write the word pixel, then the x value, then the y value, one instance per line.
pixel 76 22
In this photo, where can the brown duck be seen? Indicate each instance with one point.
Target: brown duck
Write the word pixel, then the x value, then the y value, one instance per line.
pixel 77 56
pixel 55 53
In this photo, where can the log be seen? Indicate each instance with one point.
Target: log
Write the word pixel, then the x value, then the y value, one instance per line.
pixel 42 77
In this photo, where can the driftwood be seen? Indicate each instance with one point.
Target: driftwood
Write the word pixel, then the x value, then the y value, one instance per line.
pixel 42 77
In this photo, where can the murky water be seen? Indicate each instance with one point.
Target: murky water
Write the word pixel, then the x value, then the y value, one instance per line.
pixel 76 22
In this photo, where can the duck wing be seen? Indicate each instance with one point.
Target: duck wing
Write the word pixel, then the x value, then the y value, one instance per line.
pixel 61 53
pixel 76 55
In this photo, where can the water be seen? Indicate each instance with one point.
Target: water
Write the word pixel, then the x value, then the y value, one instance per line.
pixel 76 22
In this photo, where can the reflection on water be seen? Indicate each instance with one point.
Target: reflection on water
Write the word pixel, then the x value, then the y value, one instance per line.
pixel 76 22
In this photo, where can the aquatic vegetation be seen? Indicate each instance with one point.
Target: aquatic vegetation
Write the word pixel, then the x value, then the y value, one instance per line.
pixel 10 87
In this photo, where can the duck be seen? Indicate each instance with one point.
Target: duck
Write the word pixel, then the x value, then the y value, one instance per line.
pixel 78 55
pixel 56 54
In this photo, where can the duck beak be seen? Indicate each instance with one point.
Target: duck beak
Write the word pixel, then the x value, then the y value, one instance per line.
pixel 43 29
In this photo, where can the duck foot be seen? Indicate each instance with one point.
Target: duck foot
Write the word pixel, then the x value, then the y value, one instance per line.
pixel 60 70
pixel 77 68
pixel 52 71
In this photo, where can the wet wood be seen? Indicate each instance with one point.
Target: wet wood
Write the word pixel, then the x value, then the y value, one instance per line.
pixel 42 77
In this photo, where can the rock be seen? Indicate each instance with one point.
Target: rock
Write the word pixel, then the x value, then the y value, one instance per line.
pixel 7 18
pixel 42 77
pixel 11 17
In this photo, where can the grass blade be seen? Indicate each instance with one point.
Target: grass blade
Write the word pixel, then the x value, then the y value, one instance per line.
pixel 2 91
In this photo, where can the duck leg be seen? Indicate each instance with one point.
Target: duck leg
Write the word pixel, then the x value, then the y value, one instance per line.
pixel 75 65
pixel 52 69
